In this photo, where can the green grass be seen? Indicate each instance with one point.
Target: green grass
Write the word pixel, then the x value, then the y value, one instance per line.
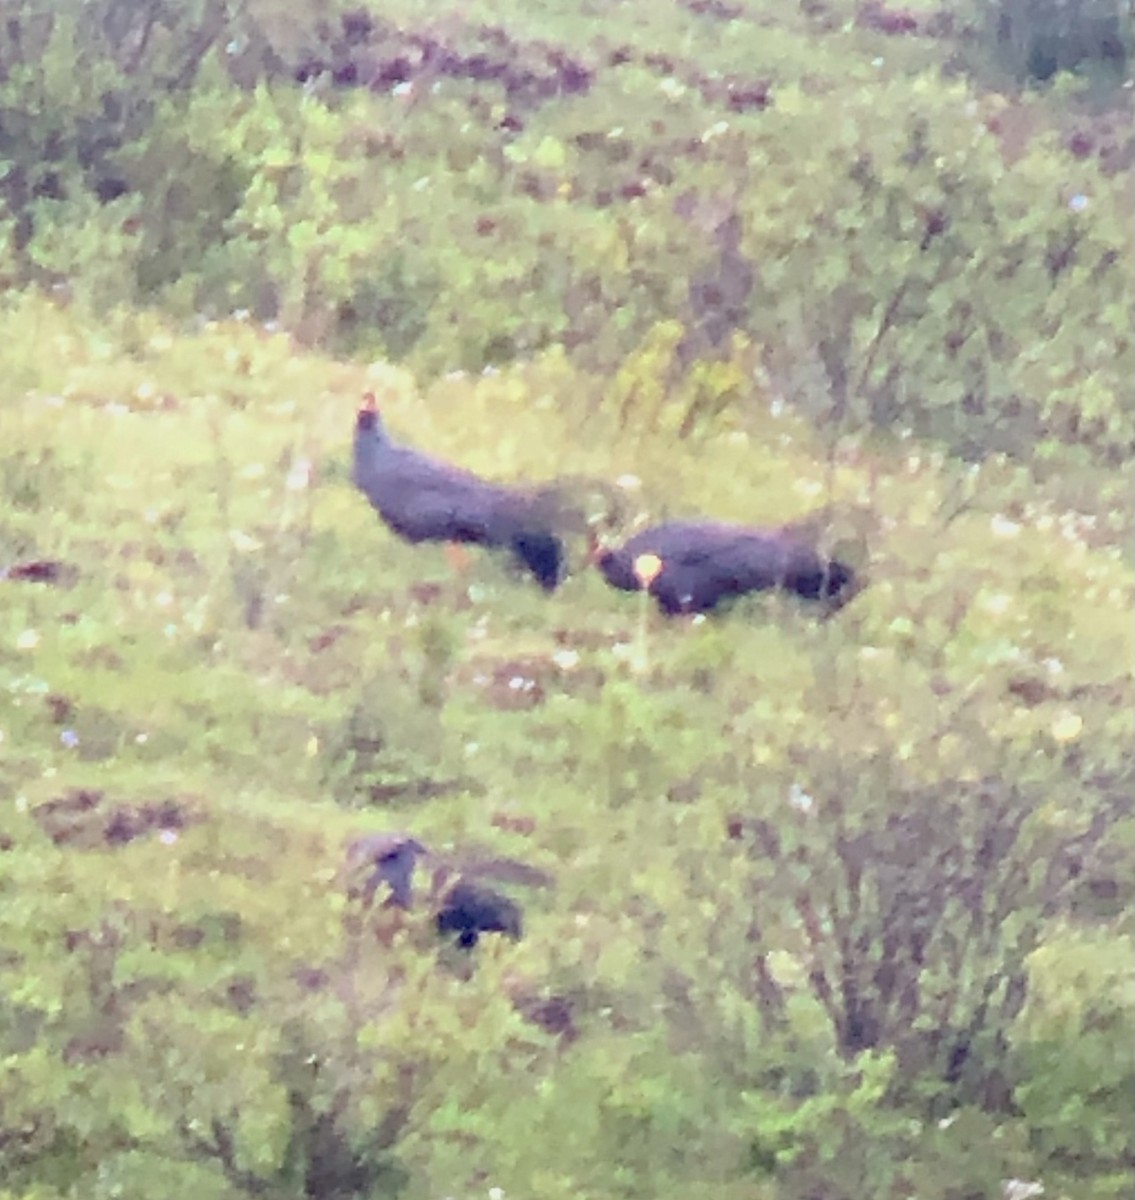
pixel 162 475
pixel 243 638
pixel 799 865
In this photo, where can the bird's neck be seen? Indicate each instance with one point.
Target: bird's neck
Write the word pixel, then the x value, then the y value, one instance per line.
pixel 369 439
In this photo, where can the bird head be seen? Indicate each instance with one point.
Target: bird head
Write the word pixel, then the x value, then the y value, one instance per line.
pixel 614 564
pixel 368 418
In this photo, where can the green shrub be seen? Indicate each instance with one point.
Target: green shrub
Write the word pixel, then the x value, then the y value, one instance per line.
pixel 912 280
pixel 1035 41
pixel 1074 1087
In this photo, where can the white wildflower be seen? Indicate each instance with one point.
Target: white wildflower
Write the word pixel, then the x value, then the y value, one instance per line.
pixel 799 799
pixel 1067 727
pixel 243 542
pixel 1002 527
pixel 300 476
pixel 1020 1189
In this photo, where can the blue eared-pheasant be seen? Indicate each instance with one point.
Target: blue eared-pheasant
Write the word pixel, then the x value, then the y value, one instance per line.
pixel 425 500
pixel 692 566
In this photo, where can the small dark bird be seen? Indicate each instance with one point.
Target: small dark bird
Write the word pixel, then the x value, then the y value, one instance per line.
pixel 469 910
pixel 424 500
pixel 389 858
pixel 692 566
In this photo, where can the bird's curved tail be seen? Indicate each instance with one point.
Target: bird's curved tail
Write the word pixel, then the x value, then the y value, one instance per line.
pixel 570 506
pixel 579 504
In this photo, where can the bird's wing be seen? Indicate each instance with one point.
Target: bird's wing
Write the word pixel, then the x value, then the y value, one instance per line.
pixel 694 544
pixel 439 513
pixel 424 499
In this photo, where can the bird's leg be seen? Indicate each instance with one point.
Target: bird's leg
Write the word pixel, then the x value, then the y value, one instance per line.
pixel 595 547
pixel 458 557
pixel 460 561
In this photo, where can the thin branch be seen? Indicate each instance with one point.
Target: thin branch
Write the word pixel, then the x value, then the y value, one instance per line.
pixel 222 1150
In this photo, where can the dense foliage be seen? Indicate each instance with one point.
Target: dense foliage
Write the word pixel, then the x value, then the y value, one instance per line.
pixel 938 257
pixel 811 908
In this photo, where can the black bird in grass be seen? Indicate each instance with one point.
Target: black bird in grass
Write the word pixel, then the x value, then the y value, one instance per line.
pixel 388 858
pixel 468 909
pixel 461 905
pixel 692 566
pixel 424 500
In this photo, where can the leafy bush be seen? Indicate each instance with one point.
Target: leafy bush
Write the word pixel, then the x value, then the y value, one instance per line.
pixel 1073 1084
pixel 834 901
pixel 1035 41
pixel 910 271
pixel 846 1141
pixel 898 898
pixel 944 291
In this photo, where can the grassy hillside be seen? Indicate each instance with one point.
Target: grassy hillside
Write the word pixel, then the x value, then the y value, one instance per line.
pixel 236 635
pixel 831 907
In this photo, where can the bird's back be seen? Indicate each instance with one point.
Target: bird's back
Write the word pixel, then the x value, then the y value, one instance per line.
pixel 422 498
pixel 704 562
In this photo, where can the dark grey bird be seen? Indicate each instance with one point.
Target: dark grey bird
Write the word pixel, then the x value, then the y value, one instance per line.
pixel 468 910
pixel 388 858
pixel 424 500
pixel 692 566
pixel 458 902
